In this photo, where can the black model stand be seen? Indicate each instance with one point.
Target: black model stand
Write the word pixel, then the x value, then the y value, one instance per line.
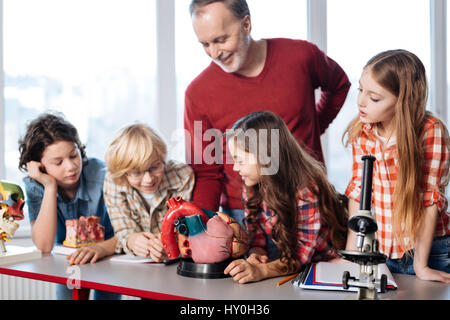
pixel 188 268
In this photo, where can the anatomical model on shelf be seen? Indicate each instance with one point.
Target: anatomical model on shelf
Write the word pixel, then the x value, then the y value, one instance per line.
pixel 11 209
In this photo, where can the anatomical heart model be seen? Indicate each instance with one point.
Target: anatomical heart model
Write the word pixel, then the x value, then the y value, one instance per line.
pixel 11 209
pixel 202 235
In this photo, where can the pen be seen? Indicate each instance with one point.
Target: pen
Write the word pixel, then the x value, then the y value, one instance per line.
pixel 292 276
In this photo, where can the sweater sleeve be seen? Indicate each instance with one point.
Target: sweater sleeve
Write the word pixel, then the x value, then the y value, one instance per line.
pixel 334 85
pixel 208 174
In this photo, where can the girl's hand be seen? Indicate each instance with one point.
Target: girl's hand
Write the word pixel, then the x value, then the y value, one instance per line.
pixel 243 271
pixel 257 255
pixel 257 258
pixel 83 255
pixel 36 171
pixel 426 273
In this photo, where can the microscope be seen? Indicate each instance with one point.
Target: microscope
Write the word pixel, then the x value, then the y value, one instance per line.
pixel 367 255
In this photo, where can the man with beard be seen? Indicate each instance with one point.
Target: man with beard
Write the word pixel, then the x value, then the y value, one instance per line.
pixel 246 75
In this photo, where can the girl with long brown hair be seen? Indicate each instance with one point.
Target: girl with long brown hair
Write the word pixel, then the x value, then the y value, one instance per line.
pixel 411 169
pixel 293 214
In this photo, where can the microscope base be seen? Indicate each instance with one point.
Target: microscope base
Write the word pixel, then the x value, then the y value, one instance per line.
pixel 367 294
pixel 364 258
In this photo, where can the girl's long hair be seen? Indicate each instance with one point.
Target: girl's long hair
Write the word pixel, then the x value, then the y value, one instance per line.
pixel 403 74
pixel 296 169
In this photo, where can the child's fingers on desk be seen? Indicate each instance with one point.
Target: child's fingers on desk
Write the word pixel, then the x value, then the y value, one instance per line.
pixel 71 257
pixel 234 267
pixel 257 258
pixel 94 258
pixel 85 257
pixel 80 256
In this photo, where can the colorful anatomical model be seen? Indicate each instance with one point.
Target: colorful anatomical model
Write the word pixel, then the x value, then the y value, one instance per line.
pixel 83 232
pixel 200 234
pixel 11 209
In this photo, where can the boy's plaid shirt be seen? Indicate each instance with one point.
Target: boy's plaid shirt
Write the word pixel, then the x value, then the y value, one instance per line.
pixel 435 175
pixel 129 212
pixel 312 234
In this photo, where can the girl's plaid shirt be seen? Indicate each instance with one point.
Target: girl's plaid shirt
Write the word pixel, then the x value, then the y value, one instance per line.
pixel 129 212
pixel 435 176
pixel 312 234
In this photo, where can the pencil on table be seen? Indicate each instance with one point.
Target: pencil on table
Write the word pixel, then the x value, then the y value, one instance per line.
pixel 292 276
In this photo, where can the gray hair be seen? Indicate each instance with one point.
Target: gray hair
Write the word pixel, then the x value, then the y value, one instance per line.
pixel 239 8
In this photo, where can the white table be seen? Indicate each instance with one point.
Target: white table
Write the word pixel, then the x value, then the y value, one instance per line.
pixel 161 282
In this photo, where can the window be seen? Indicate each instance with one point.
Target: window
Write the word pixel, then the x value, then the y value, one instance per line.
pixel 357 30
pixel 190 58
pixel 281 18
pixel 95 61
pixel 92 60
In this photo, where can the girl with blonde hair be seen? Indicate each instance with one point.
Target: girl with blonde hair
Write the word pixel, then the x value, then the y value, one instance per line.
pixel 137 185
pixel 411 170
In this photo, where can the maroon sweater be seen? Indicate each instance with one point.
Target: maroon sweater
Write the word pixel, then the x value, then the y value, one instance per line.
pixel 292 70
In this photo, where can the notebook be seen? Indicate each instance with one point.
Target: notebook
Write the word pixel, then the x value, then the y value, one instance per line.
pixel 128 258
pixel 123 258
pixel 63 250
pixel 328 276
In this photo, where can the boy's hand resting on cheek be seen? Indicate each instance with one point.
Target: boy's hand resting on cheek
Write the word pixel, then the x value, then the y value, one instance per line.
pixel 36 171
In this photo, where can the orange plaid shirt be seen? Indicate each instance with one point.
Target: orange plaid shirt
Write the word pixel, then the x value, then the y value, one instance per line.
pixel 435 170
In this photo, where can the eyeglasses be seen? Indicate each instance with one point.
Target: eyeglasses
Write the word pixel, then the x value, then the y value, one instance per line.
pixel 153 170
